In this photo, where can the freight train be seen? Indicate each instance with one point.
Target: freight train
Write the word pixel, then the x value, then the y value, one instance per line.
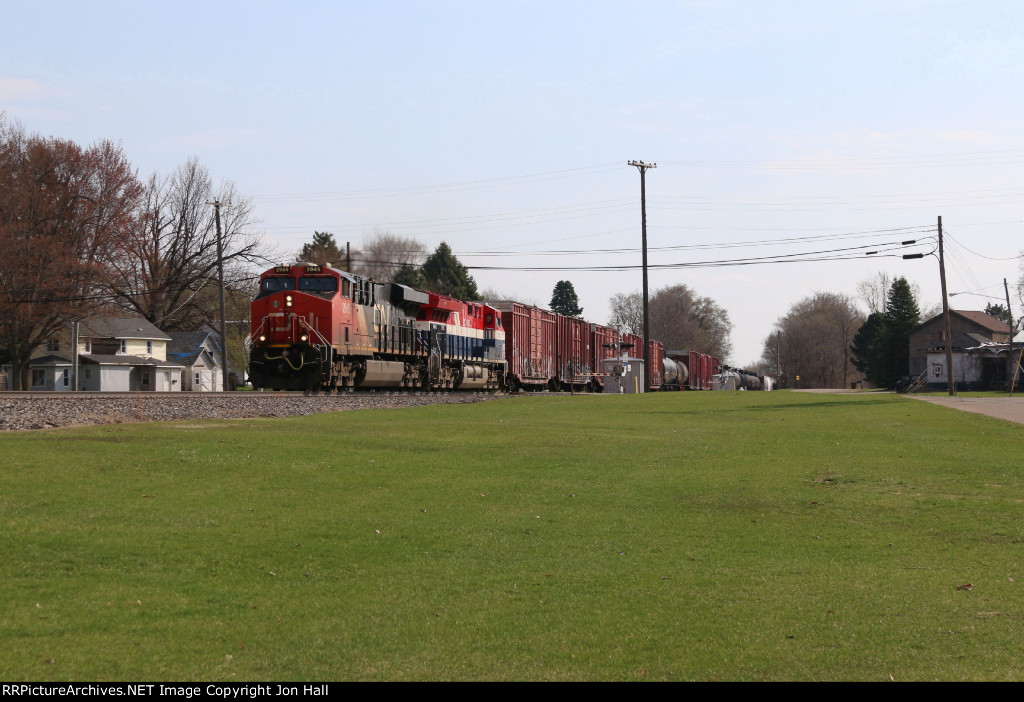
pixel 316 327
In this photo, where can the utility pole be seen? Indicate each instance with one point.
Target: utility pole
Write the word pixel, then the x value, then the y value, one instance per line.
pixel 642 167
pixel 1011 367
pixel 220 278
pixel 74 355
pixel 950 380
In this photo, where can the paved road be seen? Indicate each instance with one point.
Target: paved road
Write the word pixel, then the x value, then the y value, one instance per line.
pixel 1009 408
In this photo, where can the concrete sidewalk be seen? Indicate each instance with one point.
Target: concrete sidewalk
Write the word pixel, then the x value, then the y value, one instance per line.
pixel 1009 408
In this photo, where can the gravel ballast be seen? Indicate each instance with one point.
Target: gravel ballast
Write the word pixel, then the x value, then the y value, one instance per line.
pixel 36 411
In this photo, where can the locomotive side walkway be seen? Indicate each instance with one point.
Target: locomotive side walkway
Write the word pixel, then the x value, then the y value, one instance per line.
pixel 1009 408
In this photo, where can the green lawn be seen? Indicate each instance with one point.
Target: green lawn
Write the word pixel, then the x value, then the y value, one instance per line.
pixel 709 536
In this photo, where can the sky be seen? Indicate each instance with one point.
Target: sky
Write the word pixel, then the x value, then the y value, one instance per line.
pixel 808 130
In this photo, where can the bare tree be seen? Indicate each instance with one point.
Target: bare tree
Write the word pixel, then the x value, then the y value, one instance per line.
pixel 168 266
pixel 384 254
pixel 680 319
pixel 873 291
pixel 493 295
pixel 627 312
pixel 63 212
pixel 813 341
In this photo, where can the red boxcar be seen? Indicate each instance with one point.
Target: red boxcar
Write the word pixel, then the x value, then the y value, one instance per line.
pixel 531 335
pixel 575 354
pixel 602 340
pixel 657 363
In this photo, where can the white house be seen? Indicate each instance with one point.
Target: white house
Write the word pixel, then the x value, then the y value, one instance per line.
pixel 114 354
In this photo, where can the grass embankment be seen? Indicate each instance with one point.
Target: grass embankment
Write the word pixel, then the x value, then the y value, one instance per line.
pixel 752 536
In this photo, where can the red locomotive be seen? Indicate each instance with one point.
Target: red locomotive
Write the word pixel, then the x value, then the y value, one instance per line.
pixel 319 328
pixel 316 327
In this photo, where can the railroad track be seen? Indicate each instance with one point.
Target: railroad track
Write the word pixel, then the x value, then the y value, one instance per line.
pixel 44 410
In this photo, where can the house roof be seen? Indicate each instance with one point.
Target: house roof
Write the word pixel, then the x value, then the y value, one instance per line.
pixel 50 360
pixel 187 347
pixel 103 359
pixel 967 340
pixel 121 328
pixel 109 359
pixel 986 320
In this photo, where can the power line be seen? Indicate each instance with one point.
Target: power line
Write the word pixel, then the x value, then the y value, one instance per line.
pixel 844 253
pixel 726 245
pixel 542 176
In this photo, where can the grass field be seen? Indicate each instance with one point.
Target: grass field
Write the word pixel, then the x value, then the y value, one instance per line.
pixel 707 536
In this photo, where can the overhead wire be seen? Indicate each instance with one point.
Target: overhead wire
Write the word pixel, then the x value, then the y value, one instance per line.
pixel 882 250
pixel 724 245
pixel 538 177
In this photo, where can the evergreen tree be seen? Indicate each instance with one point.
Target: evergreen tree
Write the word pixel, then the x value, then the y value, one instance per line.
pixel 322 250
pixel 564 300
pixel 864 345
pixel 408 274
pixel 443 273
pixel 998 311
pixel 892 360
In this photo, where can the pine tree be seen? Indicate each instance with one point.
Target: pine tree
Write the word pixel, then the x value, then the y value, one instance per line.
pixel 864 345
pixel 408 274
pixel 322 250
pixel 564 300
pixel 998 311
pixel 892 360
pixel 443 273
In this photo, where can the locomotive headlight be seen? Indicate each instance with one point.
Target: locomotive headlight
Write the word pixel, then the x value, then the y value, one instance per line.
pixel 263 337
pixel 287 300
pixel 304 337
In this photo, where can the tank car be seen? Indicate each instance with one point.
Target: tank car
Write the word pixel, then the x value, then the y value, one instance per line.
pixel 316 327
pixel 676 374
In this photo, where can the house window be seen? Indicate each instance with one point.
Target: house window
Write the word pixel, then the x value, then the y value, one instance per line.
pixel 52 345
pixel 38 377
pixel 124 346
pixel 87 373
pixel 145 378
pixel 149 348
pixel 198 382
pixel 88 347
pixel 67 377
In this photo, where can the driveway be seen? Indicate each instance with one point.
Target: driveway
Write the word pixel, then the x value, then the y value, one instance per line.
pixel 1009 408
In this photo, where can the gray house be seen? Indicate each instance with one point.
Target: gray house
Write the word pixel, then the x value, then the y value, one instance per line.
pixel 200 355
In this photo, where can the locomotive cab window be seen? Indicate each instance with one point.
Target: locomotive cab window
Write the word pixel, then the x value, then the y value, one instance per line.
pixel 276 284
pixel 318 284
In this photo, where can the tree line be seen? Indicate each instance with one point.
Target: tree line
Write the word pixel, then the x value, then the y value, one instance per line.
pixel 393 259
pixel 83 235
pixel 825 340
